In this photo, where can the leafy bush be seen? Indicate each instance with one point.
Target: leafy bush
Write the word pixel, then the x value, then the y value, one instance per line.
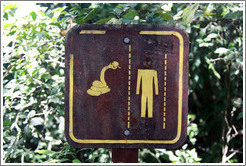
pixel 33 79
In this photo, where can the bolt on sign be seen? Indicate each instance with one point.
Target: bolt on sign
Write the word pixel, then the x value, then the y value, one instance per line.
pixel 126 86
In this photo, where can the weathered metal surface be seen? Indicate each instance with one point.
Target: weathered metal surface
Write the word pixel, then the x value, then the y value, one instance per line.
pixel 125 155
pixel 126 86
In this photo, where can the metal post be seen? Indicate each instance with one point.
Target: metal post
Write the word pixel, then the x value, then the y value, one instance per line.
pixel 124 155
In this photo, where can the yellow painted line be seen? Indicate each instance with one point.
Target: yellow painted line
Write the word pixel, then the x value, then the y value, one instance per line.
pixel 130 48
pixel 165 89
pixel 71 96
pixel 95 32
pixel 165 84
pixel 129 87
pixel 96 141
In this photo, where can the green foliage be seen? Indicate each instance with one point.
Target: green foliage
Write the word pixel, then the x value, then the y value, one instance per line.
pixel 33 80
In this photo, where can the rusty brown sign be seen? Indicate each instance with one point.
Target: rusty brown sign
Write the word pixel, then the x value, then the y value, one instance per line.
pixel 126 86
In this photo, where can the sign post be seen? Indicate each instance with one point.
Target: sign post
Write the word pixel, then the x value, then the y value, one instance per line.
pixel 126 86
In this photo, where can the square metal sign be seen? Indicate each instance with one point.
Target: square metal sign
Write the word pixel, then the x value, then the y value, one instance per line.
pixel 126 86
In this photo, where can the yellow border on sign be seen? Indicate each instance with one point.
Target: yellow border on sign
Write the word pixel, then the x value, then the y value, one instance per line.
pixel 92 141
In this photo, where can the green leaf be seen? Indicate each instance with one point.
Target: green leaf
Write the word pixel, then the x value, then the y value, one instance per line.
pixel 188 13
pixel 131 14
pixel 114 21
pixel 33 15
pixel 90 15
pixel 76 161
pixel 102 21
pixel 221 50
pixel 45 152
pixel 5 26
pixel 37 121
pixel 234 15
pixel 209 14
pixel 166 16
pixel 240 115
pixel 10 6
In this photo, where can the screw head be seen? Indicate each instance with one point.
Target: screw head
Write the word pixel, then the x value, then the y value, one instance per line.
pixel 126 40
pixel 126 132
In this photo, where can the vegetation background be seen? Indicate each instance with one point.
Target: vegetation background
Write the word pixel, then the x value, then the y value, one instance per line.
pixel 33 79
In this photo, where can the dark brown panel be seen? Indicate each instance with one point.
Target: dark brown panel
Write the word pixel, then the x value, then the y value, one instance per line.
pixel 103 108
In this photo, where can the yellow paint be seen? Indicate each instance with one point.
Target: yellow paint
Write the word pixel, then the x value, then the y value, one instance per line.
pixel 130 48
pixel 95 32
pixel 129 87
pixel 71 96
pixel 96 141
pixel 147 76
pixel 100 87
pixel 165 84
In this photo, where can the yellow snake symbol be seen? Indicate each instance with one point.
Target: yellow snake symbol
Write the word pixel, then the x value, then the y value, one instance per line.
pixel 100 87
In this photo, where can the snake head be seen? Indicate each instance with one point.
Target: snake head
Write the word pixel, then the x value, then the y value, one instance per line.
pixel 114 65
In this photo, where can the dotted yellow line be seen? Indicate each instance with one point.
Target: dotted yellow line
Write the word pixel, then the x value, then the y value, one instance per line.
pixel 165 92
pixel 129 87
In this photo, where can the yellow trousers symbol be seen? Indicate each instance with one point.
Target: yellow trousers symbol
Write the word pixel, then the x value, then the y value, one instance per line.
pixel 147 77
